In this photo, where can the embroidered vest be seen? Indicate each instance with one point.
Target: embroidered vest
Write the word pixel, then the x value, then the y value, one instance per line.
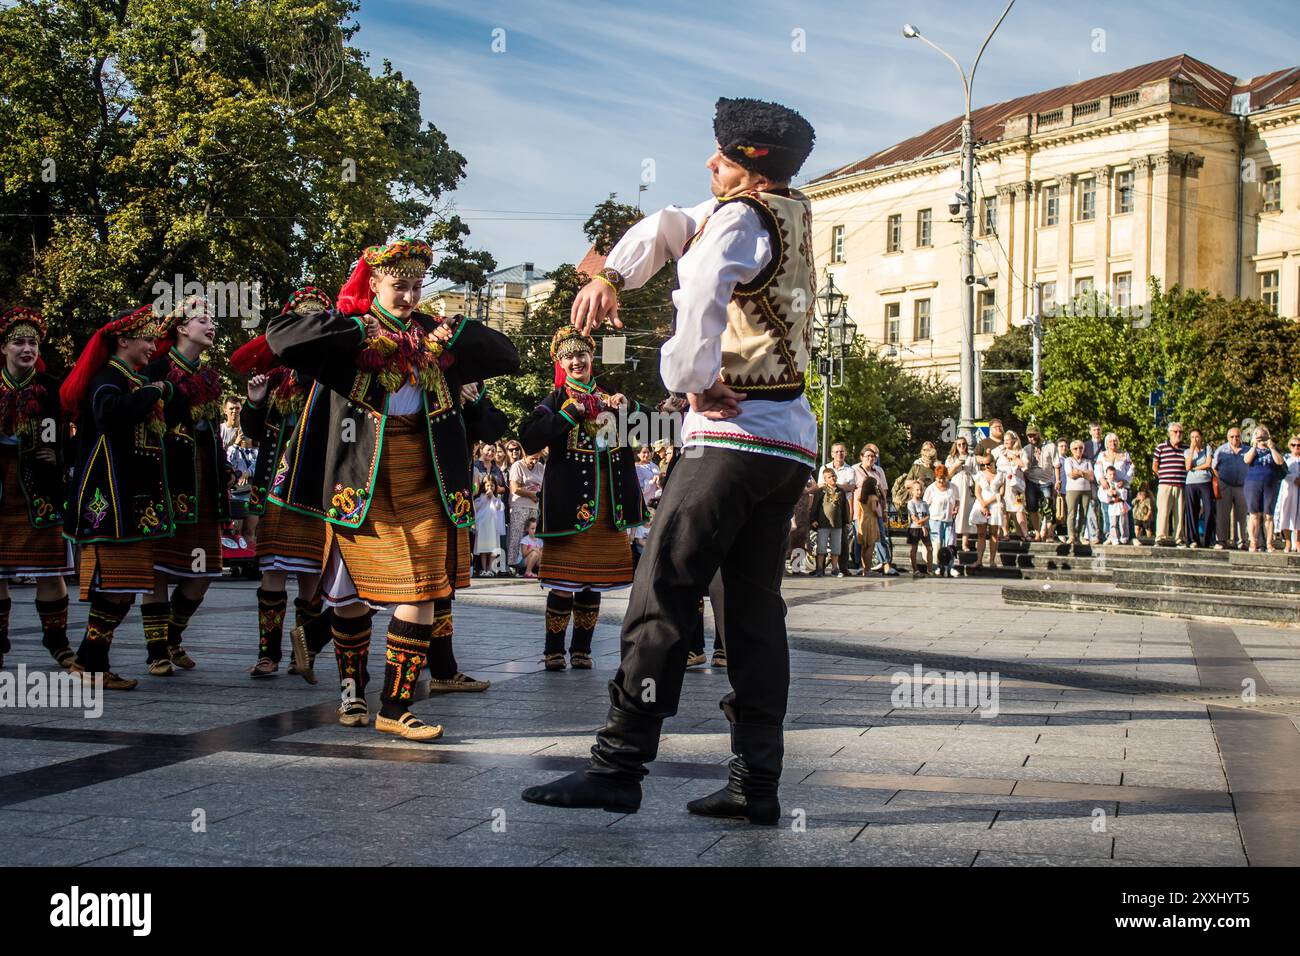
pixel 766 345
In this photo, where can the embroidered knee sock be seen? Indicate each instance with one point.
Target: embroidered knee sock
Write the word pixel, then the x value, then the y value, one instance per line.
pixel 352 652
pixel 404 657
pixel 559 605
pixel 157 618
pixel 442 656
pixel 105 616
pixel 271 606
pixel 586 609
pixel 54 623
pixel 183 608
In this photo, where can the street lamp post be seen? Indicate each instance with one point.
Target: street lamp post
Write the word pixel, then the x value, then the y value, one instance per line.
pixel 833 337
pixel 967 196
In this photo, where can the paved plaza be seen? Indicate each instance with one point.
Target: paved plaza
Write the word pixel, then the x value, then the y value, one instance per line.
pixel 1118 740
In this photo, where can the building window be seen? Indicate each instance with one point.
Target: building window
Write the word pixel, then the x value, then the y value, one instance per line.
pixel 837 244
pixel 1051 205
pixel 894 235
pixel 1272 186
pixel 921 319
pixel 891 322
pixel 987 312
pixel 1124 191
pixel 1270 290
pixel 1087 199
pixel 988 216
pixel 1049 298
pixel 1123 293
pixel 923 223
pixel 1082 285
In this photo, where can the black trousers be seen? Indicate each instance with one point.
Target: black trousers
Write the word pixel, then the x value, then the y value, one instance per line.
pixel 723 510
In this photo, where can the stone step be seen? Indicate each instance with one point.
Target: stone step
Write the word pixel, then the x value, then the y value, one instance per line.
pixel 1104 597
pixel 1067 575
pixel 1230 584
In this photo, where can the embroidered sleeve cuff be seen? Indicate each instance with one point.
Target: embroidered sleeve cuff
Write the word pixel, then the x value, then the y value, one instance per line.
pixel 458 326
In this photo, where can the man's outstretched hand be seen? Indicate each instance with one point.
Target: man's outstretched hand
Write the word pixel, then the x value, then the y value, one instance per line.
pixel 717 402
pixel 595 304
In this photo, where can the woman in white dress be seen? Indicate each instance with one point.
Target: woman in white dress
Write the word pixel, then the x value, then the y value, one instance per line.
pixel 489 524
pixel 961 475
pixel 986 511
pixel 1286 515
pixel 1011 467
pixel 1111 456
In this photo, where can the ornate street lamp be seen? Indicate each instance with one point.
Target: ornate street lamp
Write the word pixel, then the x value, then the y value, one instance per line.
pixel 833 333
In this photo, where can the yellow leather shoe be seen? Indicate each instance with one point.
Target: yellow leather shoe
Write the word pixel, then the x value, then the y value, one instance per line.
pixel 408 726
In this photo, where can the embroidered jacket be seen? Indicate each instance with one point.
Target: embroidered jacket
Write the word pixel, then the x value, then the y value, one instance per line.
pixel 119 489
pixel 328 465
pixel 578 471
pixel 37 423
pixel 270 426
pixel 189 426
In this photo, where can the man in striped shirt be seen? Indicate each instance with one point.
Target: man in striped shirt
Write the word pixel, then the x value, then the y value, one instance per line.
pixel 1170 466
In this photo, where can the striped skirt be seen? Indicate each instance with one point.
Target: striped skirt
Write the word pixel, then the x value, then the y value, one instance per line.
pixel 125 568
pixel 194 551
pixel 407 551
pixel 598 559
pixel 26 551
pixel 289 541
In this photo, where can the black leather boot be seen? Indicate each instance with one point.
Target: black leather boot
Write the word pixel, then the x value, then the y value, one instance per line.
pixel 750 793
pixel 612 780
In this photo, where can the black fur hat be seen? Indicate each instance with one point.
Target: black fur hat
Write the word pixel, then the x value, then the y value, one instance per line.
pixel 765 138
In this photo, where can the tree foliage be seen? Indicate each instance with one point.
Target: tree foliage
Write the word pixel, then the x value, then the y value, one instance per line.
pixel 1214 363
pixel 218 140
pixel 882 402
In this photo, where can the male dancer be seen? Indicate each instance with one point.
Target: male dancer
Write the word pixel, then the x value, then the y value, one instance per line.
pixel 744 310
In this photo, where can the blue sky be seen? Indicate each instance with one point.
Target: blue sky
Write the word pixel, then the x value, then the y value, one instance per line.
pixel 584 93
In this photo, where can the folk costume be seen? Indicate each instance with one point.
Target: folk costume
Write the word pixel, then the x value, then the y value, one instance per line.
pixel 381 456
pixel 744 318
pixel 198 477
pixel 590 498
pixel 287 541
pixel 119 507
pixel 32 488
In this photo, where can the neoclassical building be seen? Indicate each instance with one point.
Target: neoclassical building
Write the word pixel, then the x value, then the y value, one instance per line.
pixel 1172 169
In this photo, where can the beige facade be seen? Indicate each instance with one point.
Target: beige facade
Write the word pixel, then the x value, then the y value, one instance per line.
pixel 505 300
pixel 1097 186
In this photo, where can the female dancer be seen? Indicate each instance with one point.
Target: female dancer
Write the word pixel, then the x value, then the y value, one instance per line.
pixel 287 542
pixel 381 455
pixel 198 479
pixel 590 497
pixel 32 482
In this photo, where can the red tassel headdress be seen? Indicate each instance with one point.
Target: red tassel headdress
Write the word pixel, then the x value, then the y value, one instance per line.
pixel 568 341
pixel 138 323
pixel 406 258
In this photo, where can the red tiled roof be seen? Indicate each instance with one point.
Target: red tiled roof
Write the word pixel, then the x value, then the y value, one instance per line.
pixel 1213 89
pixel 592 262
pixel 1271 89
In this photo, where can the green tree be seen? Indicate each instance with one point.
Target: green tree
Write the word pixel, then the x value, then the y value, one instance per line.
pixel 219 140
pixel 1000 391
pixel 882 402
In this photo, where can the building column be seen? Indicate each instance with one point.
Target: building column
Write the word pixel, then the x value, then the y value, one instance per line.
pixel 1027 201
pixel 1143 232
pixel 1064 229
pixel 1101 228
pixel 1009 235
pixel 1166 218
pixel 1189 254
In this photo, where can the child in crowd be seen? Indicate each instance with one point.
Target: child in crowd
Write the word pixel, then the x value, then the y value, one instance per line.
pixel 942 499
pixel 830 513
pixel 1114 495
pixel 489 525
pixel 640 535
pixel 530 547
pixel 1144 514
pixel 918 524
